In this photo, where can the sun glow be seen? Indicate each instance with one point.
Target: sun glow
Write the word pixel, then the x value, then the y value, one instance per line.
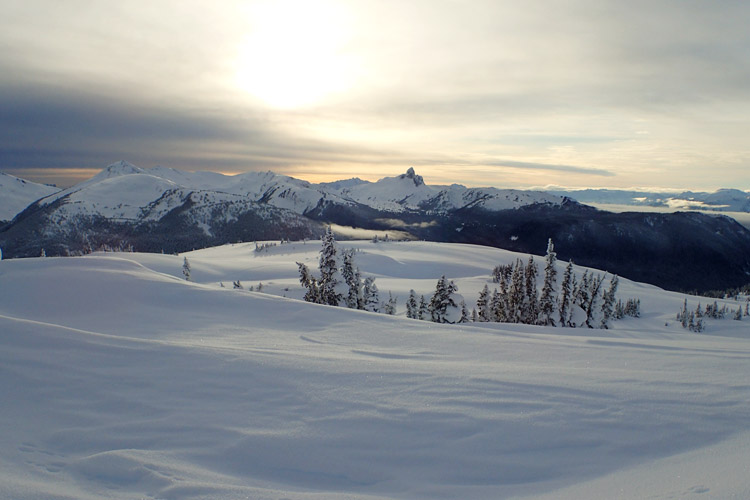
pixel 294 55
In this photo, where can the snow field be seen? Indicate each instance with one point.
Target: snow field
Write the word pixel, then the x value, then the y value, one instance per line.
pixel 121 380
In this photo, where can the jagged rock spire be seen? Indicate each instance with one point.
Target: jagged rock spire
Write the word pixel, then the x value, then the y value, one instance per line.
pixel 410 174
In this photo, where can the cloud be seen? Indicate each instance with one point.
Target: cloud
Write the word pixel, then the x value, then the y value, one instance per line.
pixel 500 86
pixel 557 168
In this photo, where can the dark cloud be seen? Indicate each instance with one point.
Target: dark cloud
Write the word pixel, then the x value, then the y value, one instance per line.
pixel 44 127
pixel 556 168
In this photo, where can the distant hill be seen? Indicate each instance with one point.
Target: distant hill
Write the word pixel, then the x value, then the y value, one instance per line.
pixel 17 194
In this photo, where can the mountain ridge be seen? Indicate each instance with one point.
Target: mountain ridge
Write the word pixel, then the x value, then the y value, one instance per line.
pixel 164 209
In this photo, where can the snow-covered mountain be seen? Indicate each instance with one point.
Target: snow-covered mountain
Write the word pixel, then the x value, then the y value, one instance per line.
pixel 163 209
pixel 723 200
pixel 156 209
pixel 408 191
pixel 127 200
pixel 122 188
pixel 17 194
pixel 121 380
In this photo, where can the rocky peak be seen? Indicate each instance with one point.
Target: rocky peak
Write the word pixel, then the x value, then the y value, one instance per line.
pixel 410 174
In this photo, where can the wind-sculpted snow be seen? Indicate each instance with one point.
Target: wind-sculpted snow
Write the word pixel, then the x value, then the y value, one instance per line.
pixel 119 379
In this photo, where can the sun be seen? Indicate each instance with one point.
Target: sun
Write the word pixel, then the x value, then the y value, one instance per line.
pixel 295 53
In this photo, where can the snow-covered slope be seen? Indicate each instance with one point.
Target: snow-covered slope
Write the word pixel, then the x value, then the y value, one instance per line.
pixel 17 194
pixel 121 380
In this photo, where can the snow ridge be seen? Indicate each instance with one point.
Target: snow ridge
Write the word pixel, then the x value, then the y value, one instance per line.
pixel 16 194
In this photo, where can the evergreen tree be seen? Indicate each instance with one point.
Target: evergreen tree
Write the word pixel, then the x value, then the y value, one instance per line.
pixel 582 292
pixel 474 316
pixel 370 295
pixel 496 309
pixel 566 295
pixel 307 280
pixel 186 269
pixel 436 301
pixel 609 301
pixel 619 310
pixel 483 305
pixel 682 316
pixel 353 280
pixel 237 285
pixel 465 313
pixel 442 302
pixel 501 308
pixel 516 294
pixel 328 271
pixel 547 300
pixel 412 308
pixel 530 311
pixel 390 306
pixel 592 306
pixel 423 308
pixel 738 314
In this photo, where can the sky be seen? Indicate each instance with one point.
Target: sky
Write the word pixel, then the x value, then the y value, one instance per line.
pixel 568 93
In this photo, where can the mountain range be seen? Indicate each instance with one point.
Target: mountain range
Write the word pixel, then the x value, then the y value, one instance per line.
pixel 722 200
pixel 167 210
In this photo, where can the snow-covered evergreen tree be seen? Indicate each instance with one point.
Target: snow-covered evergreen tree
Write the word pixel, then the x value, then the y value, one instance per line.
pixel 497 307
pixel 353 279
pixel 530 310
pixel 682 316
pixel 564 301
pixel 443 306
pixel 423 308
pixel 581 293
pixel 633 308
pixel 474 316
pixel 328 270
pixel 186 268
pixel 412 308
pixel 390 306
pixel 307 280
pixel 483 305
pixel 465 313
pixel 592 309
pixel 609 302
pixel 547 300
pixel 370 295
pixel 516 294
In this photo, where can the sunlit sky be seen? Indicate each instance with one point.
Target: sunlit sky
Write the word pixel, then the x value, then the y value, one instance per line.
pixel 572 93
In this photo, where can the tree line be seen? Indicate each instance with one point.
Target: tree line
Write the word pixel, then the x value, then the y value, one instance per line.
pixel 570 302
